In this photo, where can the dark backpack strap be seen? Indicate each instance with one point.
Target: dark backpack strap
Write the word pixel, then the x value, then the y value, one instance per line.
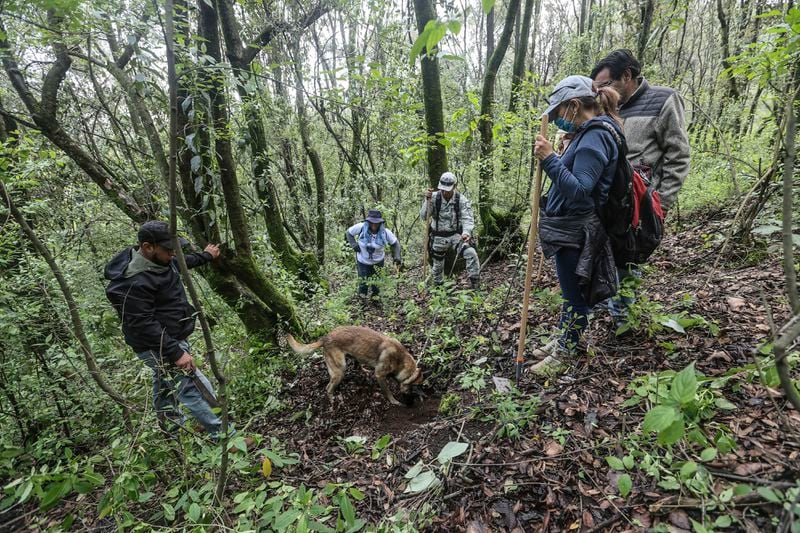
pixel 622 148
pixel 437 207
pixel 457 200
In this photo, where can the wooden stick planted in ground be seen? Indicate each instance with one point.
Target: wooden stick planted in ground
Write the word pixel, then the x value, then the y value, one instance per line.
pixel 526 295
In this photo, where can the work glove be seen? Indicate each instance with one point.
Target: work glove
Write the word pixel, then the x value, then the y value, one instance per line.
pixel 356 248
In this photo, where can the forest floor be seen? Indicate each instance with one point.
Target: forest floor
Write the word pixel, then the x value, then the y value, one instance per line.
pixel 555 453
pixel 551 474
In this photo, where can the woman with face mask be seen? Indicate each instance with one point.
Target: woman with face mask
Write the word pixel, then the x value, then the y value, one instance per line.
pixel 569 227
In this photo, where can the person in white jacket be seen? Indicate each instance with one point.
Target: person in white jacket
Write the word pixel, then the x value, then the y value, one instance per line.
pixel 368 239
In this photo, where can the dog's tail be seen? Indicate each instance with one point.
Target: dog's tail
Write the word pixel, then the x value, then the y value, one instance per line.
pixel 303 349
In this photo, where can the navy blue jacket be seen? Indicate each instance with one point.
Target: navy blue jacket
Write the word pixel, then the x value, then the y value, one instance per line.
pixel 588 163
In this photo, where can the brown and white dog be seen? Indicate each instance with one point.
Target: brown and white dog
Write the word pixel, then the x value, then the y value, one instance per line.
pixel 387 356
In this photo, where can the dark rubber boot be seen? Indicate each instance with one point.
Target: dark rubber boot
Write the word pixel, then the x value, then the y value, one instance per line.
pixel 474 283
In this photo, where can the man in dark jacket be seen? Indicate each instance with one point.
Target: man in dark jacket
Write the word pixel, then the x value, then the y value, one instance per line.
pixel 146 290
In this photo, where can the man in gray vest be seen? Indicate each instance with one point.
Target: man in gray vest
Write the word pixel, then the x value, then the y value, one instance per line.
pixel 654 123
pixel 655 129
pixel 452 223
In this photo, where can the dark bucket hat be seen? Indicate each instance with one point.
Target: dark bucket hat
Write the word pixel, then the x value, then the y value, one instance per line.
pixel 375 216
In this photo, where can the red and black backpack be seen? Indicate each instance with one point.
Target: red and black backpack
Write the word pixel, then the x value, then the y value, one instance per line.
pixel 632 215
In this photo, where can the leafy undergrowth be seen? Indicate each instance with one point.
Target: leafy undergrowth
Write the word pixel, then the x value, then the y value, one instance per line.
pixel 675 424
pixel 667 426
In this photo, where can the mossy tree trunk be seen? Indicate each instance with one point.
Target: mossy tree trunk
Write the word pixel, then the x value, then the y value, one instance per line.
pixel 494 224
pixel 432 95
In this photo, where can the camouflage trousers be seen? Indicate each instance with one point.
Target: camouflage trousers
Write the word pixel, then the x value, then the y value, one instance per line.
pixel 439 250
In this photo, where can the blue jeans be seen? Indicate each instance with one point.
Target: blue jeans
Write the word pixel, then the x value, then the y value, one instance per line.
pixel 170 385
pixel 574 311
pixel 618 305
pixel 364 273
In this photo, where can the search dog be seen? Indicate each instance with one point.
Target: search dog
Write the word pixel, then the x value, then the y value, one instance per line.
pixel 386 355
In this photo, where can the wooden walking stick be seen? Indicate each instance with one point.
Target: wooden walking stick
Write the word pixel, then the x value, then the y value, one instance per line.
pixel 426 238
pixel 526 295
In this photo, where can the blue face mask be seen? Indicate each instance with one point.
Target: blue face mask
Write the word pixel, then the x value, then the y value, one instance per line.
pixel 565 124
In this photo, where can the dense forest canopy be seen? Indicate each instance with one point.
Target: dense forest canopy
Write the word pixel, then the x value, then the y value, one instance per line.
pixel 281 124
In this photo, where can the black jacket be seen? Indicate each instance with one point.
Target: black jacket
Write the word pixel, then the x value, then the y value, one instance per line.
pixel 153 308
pixel 586 233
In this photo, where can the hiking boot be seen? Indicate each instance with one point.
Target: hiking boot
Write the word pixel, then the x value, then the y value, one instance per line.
pixel 474 283
pixel 553 357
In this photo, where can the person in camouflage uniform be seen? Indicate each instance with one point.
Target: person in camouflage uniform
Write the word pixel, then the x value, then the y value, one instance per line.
pixel 452 223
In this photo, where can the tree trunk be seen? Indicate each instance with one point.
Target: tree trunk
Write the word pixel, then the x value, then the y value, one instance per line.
pixel 490 35
pixel 432 94
pixel 518 74
pixel 304 265
pixel 724 33
pixel 494 224
pixel 313 156
pixel 644 32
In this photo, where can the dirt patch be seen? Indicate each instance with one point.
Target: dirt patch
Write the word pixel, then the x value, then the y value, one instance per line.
pixel 399 420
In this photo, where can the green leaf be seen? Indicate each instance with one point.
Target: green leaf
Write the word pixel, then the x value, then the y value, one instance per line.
pixel 628 462
pixel 451 449
pixel 414 471
pixel 169 511
pixel 53 495
pixel 422 482
pixel 319 526
pixel 696 436
pixel 671 323
pixel 487 5
pixel 416 48
pixel 709 454
pixel 356 494
pixel 723 521
pixel 684 385
pixel 722 403
pixel 26 491
pixel 347 509
pixel 454 26
pixel 742 489
pixel 434 36
pixel 14 483
pixel 669 483
pixel 615 463
pixel 382 442
pixel 698 527
pixel 672 434
pixel 769 494
pixel 286 518
pixel 195 512
pixel 624 484
pixel 358 525
pixel 659 418
pixel 688 469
